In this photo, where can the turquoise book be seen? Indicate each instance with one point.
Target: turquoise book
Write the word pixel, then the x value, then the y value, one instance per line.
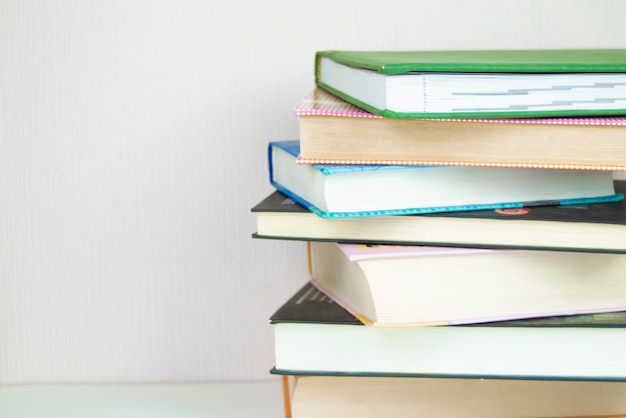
pixel 479 83
pixel 345 191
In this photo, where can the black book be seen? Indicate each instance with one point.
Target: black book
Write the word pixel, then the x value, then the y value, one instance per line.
pixel 598 227
pixel 315 336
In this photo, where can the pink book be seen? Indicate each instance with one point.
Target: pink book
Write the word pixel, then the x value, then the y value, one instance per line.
pixel 321 103
pixel 356 252
pixel 333 131
pixel 400 286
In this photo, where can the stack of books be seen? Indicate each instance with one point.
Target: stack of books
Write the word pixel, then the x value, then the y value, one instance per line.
pixel 465 235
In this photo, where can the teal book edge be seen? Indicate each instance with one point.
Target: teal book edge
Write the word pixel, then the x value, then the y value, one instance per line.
pixel 293 148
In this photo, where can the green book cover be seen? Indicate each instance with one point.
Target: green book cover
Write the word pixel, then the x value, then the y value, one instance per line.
pixel 477 83
pixel 487 61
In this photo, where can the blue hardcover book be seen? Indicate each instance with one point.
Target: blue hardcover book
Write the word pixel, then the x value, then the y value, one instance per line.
pixel 332 191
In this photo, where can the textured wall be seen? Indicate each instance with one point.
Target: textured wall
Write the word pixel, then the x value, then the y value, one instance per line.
pixel 132 146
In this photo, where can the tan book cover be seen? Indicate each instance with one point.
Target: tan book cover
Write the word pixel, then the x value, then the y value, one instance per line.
pixel 393 397
pixel 333 131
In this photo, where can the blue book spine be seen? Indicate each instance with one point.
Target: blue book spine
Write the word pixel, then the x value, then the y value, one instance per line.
pixel 293 148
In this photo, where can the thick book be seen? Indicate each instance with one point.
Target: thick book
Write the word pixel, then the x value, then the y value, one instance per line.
pixel 332 191
pixel 374 397
pixel 333 131
pixel 315 336
pixel 404 286
pixel 597 227
pixel 485 83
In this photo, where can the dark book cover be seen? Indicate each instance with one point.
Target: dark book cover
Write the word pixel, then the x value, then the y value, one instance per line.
pixel 310 306
pixel 601 214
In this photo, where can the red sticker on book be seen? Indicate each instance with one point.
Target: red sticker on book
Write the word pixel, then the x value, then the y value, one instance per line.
pixel 513 211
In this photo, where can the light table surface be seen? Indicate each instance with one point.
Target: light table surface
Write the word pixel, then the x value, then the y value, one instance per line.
pixel 261 399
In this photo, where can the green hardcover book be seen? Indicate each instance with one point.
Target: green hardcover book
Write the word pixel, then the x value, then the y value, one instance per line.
pixel 487 83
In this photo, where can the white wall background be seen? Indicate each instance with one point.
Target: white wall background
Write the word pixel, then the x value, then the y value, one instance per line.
pixel 132 146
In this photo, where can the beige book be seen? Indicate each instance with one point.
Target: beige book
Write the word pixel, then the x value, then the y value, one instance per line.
pixel 396 397
pixel 334 131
